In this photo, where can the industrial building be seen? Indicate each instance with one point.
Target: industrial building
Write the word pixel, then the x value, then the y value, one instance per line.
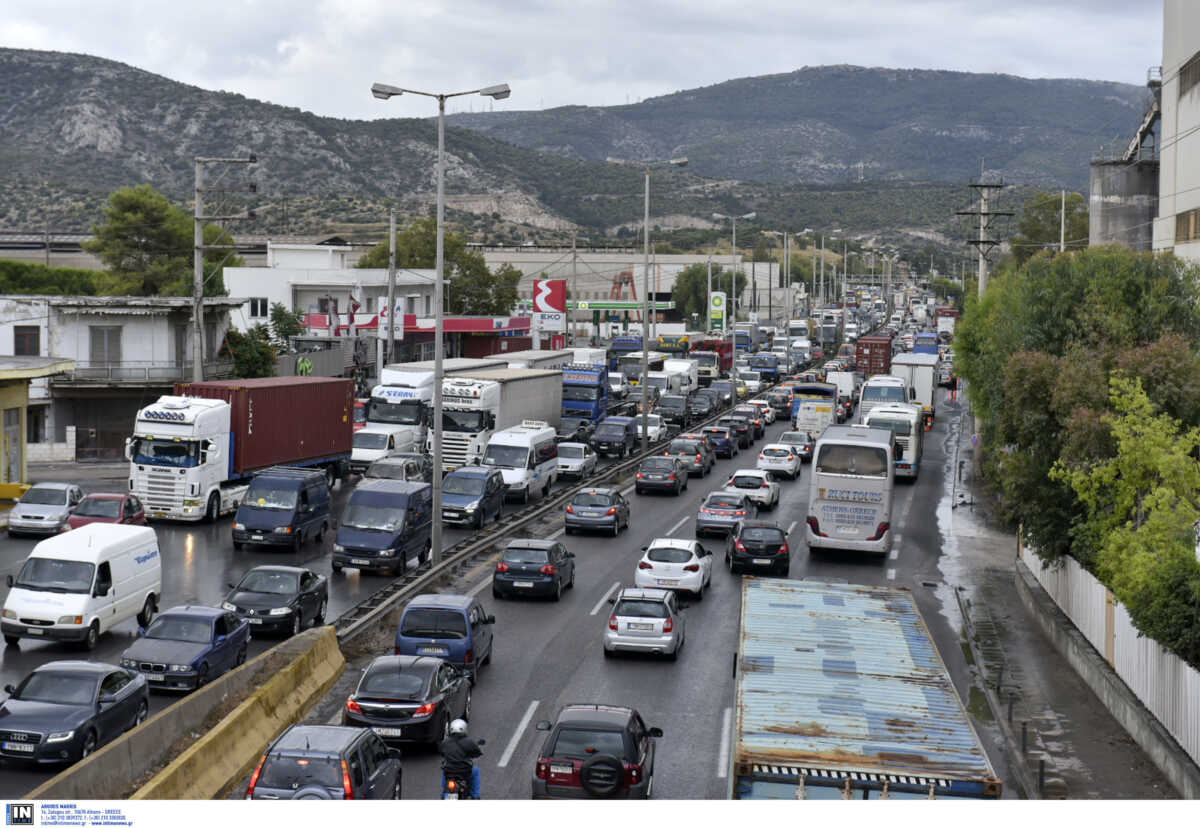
pixel 1177 227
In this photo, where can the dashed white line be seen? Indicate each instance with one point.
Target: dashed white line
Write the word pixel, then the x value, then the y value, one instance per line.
pixel 723 753
pixel 682 521
pixel 516 737
pixel 604 598
pixel 791 527
pixel 894 554
pixel 891 574
pixel 554 535
pixel 628 489
pixel 478 588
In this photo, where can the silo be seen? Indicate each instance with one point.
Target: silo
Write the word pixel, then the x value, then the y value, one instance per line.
pixel 1123 203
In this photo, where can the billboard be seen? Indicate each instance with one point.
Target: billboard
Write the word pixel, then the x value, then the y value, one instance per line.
pixel 550 304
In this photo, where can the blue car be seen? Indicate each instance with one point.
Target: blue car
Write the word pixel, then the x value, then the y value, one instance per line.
pixel 186 647
pixel 725 444
pixel 472 495
pixel 455 628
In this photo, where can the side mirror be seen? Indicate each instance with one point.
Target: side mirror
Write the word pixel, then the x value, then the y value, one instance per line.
pixel 656 732
pixel 106 698
pixel 491 619
pixel 230 584
pixel 100 591
pixel 542 725
pixel 141 631
pixel 481 742
pixel 612 600
pixel 394 753
pixel 8 688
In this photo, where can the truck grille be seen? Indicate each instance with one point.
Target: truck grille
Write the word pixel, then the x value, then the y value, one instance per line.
pixel 161 490
pixel 454 450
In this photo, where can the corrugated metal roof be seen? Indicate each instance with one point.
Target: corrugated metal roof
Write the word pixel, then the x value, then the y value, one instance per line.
pixel 846 677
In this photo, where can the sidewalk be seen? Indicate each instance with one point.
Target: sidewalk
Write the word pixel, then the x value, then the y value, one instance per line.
pixel 1086 753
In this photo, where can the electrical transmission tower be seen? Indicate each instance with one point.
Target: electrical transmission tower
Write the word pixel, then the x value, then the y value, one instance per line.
pixel 985 243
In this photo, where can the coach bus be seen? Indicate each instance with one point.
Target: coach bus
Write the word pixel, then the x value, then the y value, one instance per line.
pixel 850 493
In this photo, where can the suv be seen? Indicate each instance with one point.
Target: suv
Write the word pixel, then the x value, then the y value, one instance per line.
pixel 615 436
pixel 327 762
pixel 596 750
pixel 674 410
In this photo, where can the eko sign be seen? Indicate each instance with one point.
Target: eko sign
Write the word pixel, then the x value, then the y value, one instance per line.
pixel 550 304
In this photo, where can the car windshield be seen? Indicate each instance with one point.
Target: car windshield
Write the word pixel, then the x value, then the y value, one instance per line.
pixel 400 412
pixel 152 452
pixel 388 471
pixel 683 447
pixel 668 554
pixel 609 431
pixel 569 425
pixel 581 393
pixel 522 555
pixel 53 575
pixel 570 452
pixel 372 517
pixel 45 496
pixel 658 464
pixel 370 440
pixel 716 501
pixel 434 623
pixel 294 772
pixel 270 583
pixel 746 481
pixel 98 507
pixel 762 534
pixel 672 402
pixel 388 681
pixel 507 457
pixel 57 688
pixel 584 744
pixel 640 608
pixel 860 461
pixel 265 494
pixel 592 499
pixel 177 628
pixel 462 484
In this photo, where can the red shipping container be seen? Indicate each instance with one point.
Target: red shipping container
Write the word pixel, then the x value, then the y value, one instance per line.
pixel 279 421
pixel 873 354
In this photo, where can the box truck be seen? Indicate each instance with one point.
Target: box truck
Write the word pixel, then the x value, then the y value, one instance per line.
pixel 479 403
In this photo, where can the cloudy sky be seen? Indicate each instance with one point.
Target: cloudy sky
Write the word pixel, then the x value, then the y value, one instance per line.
pixel 323 55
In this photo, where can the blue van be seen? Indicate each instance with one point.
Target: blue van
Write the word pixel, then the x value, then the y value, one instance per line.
pixel 385 523
pixel 283 506
pixel 454 628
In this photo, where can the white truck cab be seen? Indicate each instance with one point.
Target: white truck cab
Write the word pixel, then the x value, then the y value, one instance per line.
pixel 179 455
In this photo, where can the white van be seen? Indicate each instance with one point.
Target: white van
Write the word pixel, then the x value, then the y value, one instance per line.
pixel 75 586
pixel 527 454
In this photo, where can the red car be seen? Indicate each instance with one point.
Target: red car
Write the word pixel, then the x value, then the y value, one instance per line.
pixel 107 508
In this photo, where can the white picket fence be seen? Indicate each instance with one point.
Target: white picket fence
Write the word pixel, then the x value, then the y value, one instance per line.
pixel 1165 683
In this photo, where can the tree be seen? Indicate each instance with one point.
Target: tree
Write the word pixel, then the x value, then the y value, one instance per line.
pixel 690 293
pixel 1040 225
pixel 252 353
pixel 284 325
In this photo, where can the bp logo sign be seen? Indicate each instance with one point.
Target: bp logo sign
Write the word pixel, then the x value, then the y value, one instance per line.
pixel 583 305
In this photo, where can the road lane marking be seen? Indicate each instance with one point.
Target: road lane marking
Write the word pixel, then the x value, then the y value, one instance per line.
pixel 723 754
pixel 791 527
pixel 516 737
pixel 894 554
pixel 604 598
pixel 891 574
pixel 555 534
pixel 682 521
pixel 475 590
pixel 628 489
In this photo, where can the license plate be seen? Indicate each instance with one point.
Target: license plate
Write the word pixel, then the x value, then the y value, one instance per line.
pixel 35 631
pixel 635 626
pixel 255 620
pixel 155 677
pixel 762 561
pixel 256 537
pixel 19 747
pixel 389 731
pixel 847 530
pixel 159 514
pixel 360 561
pixel 523 584
pixel 432 651
pixel 667 581
pixel 561 768
pixel 656 477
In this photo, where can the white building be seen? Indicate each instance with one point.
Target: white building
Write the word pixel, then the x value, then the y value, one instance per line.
pixel 1177 227
pixel 127 350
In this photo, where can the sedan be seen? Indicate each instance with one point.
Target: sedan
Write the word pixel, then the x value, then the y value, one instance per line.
pixel 645 621
pixel 760 486
pixel 764 408
pixel 604 509
pixel 674 563
pixel 725 443
pixel 188 646
pixel 279 599
pixel 801 441
pixel 576 460
pixel 575 430
pixel 720 512
pixel 64 710
pixel 406 698
pixel 741 428
pixel 757 545
pixel 107 508
pixel 531 566
pixel 780 459
pixel 661 474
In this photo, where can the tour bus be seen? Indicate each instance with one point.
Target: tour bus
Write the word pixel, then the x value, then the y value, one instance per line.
pixel 630 365
pixel 881 389
pixel 905 421
pixel 850 493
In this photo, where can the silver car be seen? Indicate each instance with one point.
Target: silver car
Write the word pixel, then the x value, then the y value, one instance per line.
pixel 576 460
pixel 44 509
pixel 721 511
pixel 645 621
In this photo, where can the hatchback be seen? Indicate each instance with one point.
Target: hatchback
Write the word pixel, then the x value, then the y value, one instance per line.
pixel 760 486
pixel 603 509
pixel 742 429
pixel 675 563
pixel 757 545
pixel 645 621
pixel 725 443
pixel 694 454
pixel 765 409
pixel 409 698
pixel 801 441
pixel 402 465
pixel 661 474
pixel 44 509
pixel 107 508
pixel 596 750
pixel 751 413
pixel 720 512
pixel 327 762
pixel 780 459
pixel 531 566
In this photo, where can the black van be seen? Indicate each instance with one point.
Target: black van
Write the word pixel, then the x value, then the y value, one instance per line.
pixel 615 436
pixel 283 506
pixel 385 523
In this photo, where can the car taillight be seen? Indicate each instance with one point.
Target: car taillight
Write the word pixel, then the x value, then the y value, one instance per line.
pixel 762 456
pixel 467 657
pixel 502 567
pixel 880 530
pixel 548 569
pixel 692 568
pixel 672 477
pixel 425 709
pixel 765 485
pixel 815 526
pixel 783 550
pixel 347 788
pixel 570 510
pixel 645 565
pixel 739 546
pixel 791 457
pixel 352 706
pixel 699 458
pixel 740 512
pixel 640 475
pixel 254 777
pixel 543 768
pixel 633 774
pixel 612 622
pixel 612 511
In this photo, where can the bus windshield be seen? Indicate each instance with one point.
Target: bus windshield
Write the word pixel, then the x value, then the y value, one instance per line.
pixel 884 394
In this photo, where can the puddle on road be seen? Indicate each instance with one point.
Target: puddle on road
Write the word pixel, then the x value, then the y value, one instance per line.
pixel 954 570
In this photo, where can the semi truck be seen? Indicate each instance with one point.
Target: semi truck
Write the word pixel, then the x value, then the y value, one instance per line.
pixel 840 693
pixel 687 371
pixel 548 360
pixel 404 394
pixel 873 354
pixel 745 337
pixel 586 393
pixel 714 358
pixel 192 453
pixel 920 372
pixel 478 403
pixel 622 345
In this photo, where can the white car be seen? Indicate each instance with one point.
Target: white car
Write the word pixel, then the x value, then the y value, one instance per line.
pixel 781 458
pixel 765 407
pixel 753 380
pixel 576 460
pixel 655 429
pixel 674 563
pixel 758 485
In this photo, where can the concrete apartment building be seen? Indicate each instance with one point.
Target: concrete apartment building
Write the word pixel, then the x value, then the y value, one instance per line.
pixel 1177 227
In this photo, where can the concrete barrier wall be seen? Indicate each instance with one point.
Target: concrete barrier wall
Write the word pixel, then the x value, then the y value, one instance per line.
pixel 117 768
pixel 229 751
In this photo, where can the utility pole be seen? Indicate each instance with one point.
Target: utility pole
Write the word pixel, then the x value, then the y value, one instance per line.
pixel 708 304
pixel 574 291
pixel 47 240
pixel 391 294
pixel 984 243
pixel 1062 225
pixel 822 295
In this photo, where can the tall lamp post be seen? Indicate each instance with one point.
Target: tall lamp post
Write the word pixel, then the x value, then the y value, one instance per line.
pixel 383 91
pixel 646 165
pixel 733 253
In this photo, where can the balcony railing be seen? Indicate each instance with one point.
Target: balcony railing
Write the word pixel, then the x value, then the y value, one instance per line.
pixel 139 373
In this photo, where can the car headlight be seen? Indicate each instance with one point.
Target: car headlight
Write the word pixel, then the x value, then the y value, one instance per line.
pixel 282 530
pixel 337 547
pixel 280 611
pixel 128 662
pixel 71 619
pixel 471 507
pixel 181 668
pixel 386 553
pixel 239 527
pixel 61 736
pixel 9 614
pixel 225 605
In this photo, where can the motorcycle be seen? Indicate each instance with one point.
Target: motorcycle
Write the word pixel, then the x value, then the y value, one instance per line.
pixel 454 787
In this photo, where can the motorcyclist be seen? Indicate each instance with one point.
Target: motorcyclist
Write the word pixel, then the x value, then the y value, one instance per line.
pixel 458 752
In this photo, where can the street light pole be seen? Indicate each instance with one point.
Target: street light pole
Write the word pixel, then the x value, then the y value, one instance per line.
pixel 733 256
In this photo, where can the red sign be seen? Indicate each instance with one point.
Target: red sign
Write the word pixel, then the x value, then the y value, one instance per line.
pixel 549 295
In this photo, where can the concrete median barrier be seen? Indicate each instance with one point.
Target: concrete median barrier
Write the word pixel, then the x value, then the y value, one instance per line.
pixel 194 748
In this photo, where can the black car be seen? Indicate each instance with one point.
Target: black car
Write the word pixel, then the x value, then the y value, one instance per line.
pixel 699 407
pixel 714 396
pixel 279 599
pixel 532 566
pixel 781 401
pixel 64 710
pixel 741 428
pixel 674 410
pixel 757 545
pixel 327 762
pixel 661 474
pixel 802 440
pixel 575 430
pixel 726 389
pixel 596 750
pixel 409 698
pixel 754 416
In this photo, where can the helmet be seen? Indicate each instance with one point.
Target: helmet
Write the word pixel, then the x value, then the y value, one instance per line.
pixel 458 728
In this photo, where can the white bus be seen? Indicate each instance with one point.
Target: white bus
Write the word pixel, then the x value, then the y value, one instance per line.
pixel 850 494
pixel 906 423
pixel 881 389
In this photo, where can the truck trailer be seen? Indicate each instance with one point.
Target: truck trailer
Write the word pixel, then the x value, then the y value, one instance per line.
pixel 404 394
pixel 873 354
pixel 191 454
pixel 921 372
pixel 548 360
pixel 841 694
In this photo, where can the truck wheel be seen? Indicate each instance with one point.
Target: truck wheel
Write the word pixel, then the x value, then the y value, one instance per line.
pixel 92 638
pixel 330 477
pixel 320 536
pixel 297 540
pixel 337 567
pixel 238 545
pixel 213 511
